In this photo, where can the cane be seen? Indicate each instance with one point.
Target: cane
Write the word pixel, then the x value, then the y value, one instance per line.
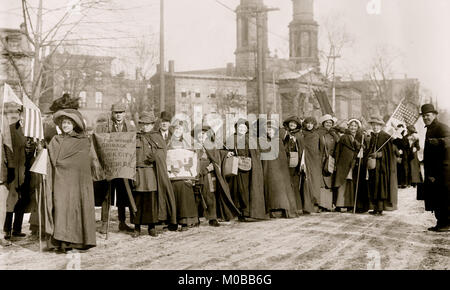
pixel 109 209
pixel 359 171
pixel 40 215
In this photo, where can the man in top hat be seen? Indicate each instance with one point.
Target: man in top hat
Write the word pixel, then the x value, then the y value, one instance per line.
pixel 436 160
pixel 20 190
pixel 383 178
pixel 117 123
pixel 164 128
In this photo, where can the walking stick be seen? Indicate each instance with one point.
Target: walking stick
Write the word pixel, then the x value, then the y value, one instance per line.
pixel 40 215
pixel 108 198
pixel 359 171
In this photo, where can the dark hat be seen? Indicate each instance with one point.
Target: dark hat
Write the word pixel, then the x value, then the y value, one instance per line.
pixel 72 114
pixel 199 129
pixel 65 102
pixel 376 120
pixel 166 116
pixel 119 107
pixel 411 129
pixel 428 108
pixel 147 118
pixel 292 118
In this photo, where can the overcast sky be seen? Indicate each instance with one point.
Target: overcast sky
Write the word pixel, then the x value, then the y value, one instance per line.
pixel 202 33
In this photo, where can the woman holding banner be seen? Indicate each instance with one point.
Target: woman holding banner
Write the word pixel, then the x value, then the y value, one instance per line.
pixel 71 185
pixel 187 211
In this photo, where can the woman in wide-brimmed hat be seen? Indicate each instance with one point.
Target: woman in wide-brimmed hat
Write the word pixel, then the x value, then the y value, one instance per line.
pixel 328 141
pixel 71 185
pixel 292 137
pixel 311 167
pixel 247 187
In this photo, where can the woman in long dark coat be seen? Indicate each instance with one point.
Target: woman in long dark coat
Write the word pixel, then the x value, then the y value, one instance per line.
pixel 383 178
pixel 247 187
pixel 328 141
pixel 347 162
pixel 311 167
pixel 402 152
pixel 71 185
pixel 187 210
pixel 213 189
pixel 415 174
pixel 277 184
pixel 293 143
pixel 152 189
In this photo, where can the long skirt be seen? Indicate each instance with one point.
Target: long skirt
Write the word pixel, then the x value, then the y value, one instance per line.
pixel 346 194
pixel 307 195
pixel 326 198
pixel 295 182
pixel 240 191
pixel 187 211
pixel 147 208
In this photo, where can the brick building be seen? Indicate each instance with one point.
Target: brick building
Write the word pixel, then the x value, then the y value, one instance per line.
pixel 88 77
pixel 14 48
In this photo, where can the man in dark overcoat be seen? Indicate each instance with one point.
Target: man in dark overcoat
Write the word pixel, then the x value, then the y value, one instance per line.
pixel 117 123
pixel 20 185
pixel 437 168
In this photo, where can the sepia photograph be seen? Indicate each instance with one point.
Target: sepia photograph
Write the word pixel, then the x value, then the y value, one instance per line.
pixel 236 135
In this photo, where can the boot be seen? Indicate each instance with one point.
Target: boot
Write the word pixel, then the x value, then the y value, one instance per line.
pixel 123 227
pixel 152 231
pixel 214 223
pixel 137 231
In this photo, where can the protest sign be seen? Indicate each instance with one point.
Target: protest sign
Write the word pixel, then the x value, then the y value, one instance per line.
pixel 116 153
pixel 182 164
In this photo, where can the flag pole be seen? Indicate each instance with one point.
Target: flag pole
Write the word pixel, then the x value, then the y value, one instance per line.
pixel 359 171
pixel 1 134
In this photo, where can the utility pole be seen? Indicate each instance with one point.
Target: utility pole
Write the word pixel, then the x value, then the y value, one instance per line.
pixel 333 56
pixel 162 81
pixel 261 56
pixel 37 55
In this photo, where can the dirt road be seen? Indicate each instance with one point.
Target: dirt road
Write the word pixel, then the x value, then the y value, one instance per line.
pixel 396 240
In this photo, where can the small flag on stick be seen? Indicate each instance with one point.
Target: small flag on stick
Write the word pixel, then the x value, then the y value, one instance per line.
pixel 33 126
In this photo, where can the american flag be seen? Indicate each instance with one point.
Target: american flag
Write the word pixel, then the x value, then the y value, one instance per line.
pixel 33 126
pixel 406 113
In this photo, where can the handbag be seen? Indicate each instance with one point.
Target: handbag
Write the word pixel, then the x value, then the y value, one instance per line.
pixel 293 157
pixel 244 163
pixel 330 163
pixel 230 167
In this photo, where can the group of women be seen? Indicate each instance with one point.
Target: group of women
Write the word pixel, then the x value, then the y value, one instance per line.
pixel 316 168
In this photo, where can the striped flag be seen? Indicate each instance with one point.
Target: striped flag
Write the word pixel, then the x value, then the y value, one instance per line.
pixel 406 113
pixel 33 125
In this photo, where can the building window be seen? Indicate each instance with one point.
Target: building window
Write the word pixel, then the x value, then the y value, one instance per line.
pixel 212 93
pixel 305 44
pixel 245 28
pixel 183 93
pixel 197 93
pixel 98 99
pixel 98 75
pixel 82 100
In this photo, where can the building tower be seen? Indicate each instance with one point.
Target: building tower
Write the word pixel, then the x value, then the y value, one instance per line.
pixel 247 36
pixel 303 35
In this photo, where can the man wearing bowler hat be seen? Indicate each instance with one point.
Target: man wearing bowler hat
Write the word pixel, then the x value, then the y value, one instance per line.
pixel 436 160
pixel 117 123
pixel 164 128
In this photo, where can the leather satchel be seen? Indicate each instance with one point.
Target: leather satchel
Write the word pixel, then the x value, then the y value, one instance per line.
pixel 293 157
pixel 330 164
pixel 230 167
